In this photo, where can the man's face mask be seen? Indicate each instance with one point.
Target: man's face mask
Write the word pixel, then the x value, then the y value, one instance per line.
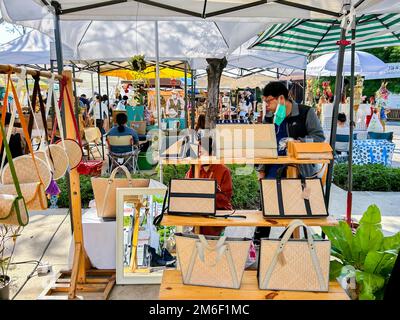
pixel 280 112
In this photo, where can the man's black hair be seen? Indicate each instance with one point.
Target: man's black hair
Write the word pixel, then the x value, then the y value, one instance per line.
pixel 342 117
pixel 275 89
pixel 125 98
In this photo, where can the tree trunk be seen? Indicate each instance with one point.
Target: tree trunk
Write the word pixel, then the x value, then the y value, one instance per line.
pixel 214 72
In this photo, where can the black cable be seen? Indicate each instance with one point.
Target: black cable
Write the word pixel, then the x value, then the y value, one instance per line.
pixel 40 259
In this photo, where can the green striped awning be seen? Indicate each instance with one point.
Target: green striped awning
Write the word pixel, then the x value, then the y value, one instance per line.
pixel 316 37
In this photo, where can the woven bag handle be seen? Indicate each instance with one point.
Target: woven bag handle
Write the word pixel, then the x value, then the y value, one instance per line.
pixel 110 181
pixel 20 197
pixel 21 82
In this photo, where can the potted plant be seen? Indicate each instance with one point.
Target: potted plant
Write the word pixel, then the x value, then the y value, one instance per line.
pixel 363 259
pixel 8 238
pixel 137 63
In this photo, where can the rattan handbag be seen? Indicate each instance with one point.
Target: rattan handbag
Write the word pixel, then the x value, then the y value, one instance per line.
pixel 294 264
pixel 212 261
pixel 283 198
pixel 246 141
pixel 55 156
pixel 13 209
pixel 192 197
pixel 104 190
pixel 24 166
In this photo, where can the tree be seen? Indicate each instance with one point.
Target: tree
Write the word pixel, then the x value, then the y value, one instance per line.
pixel 214 72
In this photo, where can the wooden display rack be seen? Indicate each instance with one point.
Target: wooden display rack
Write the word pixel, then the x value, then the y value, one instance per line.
pixel 82 281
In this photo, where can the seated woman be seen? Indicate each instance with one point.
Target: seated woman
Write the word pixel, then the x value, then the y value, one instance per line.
pixel 224 194
pixel 122 130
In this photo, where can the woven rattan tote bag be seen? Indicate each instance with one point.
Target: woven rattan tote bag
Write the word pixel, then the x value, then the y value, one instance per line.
pixel 56 158
pixel 13 209
pixel 104 190
pixel 294 264
pixel 212 261
pixel 192 197
pixel 301 198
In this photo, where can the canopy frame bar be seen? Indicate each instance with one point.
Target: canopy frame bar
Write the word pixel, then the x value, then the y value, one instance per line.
pixel 195 14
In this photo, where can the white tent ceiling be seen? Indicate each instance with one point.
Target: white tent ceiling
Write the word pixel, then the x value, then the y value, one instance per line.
pixel 31 48
pixel 217 10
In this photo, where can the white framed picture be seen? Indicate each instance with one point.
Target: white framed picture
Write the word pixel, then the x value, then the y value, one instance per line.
pixel 136 209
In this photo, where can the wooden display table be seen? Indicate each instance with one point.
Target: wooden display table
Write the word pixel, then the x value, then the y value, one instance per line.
pixel 172 288
pixel 254 218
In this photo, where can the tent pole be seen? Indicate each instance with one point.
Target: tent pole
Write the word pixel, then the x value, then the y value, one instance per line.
pixel 186 102
pixel 158 98
pixel 60 67
pixel 338 96
pixel 92 82
pixel 108 103
pixel 76 98
pixel 193 102
pixel 304 86
pixel 101 110
pixel 352 124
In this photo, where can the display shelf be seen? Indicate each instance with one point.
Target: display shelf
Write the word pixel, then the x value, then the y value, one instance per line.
pixel 172 288
pixel 254 218
pixel 215 160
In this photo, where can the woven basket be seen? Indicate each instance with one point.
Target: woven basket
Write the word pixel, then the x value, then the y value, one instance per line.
pixel 26 172
pixel 58 161
pixel 73 150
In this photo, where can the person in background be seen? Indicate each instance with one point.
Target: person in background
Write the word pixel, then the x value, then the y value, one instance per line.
pixel 222 175
pixel 342 127
pixel 372 104
pixel 100 112
pixel 122 104
pixel 291 120
pixel 121 129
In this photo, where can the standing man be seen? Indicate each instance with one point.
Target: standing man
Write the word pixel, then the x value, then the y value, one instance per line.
pixel 291 120
pixel 100 112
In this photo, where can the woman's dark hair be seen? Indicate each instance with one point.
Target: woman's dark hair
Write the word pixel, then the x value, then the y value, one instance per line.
pixel 201 122
pixel 105 97
pixel 98 97
pixel 275 89
pixel 122 119
pixel 342 117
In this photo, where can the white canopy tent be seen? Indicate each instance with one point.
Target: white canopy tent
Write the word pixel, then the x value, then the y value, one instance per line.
pixel 244 58
pixel 392 71
pixel 217 10
pixel 32 48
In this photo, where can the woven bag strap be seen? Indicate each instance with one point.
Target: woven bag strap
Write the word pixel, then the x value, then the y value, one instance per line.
pixel 21 82
pixel 10 162
pixel 24 126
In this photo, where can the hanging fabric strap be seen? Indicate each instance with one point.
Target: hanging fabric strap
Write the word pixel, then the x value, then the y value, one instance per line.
pixel 50 94
pixel 23 124
pixel 58 117
pixel 44 139
pixel 21 82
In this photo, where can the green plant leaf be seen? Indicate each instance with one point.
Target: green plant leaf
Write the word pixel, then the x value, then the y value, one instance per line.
pixel 335 269
pixel 341 239
pixel 371 216
pixel 380 262
pixel 368 238
pixel 392 242
pixel 369 283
